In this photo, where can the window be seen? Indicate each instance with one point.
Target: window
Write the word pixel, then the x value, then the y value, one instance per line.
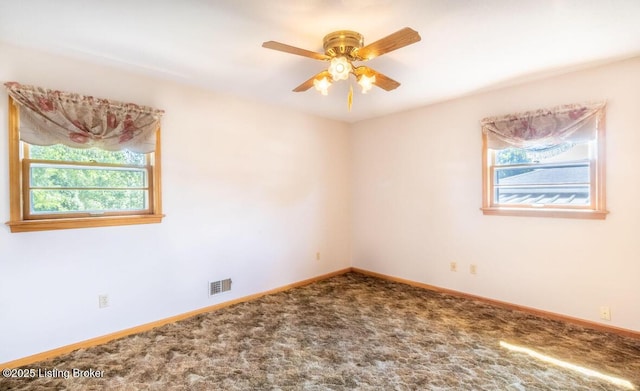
pixel 58 186
pixel 545 163
pixel 61 181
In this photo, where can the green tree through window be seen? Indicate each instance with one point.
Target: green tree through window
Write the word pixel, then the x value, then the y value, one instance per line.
pixel 64 179
pixel 510 156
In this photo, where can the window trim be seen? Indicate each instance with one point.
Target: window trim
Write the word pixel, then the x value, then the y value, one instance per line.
pixel 597 210
pixel 17 219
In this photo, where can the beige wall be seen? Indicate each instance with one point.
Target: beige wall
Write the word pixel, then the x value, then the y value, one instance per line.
pixel 417 194
pixel 251 192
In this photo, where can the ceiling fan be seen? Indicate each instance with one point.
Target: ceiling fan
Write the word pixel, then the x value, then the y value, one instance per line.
pixel 341 49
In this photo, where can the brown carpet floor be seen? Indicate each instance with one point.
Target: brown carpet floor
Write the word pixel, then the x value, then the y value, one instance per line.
pixel 351 332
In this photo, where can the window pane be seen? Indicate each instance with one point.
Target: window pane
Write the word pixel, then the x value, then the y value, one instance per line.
pixel 61 201
pixel 511 156
pixel 64 153
pixel 554 154
pixel 536 175
pixel 544 185
pixel 558 175
pixel 47 175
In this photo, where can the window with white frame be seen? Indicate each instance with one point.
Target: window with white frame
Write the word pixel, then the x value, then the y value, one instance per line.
pixel 77 161
pixel 546 163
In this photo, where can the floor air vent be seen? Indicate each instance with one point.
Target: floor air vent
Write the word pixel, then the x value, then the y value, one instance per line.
pixel 217 287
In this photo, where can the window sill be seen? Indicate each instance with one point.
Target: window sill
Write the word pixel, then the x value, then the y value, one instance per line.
pixel 562 213
pixel 84 222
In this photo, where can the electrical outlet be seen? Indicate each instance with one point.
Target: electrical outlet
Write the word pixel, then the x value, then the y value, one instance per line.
pixel 453 266
pixel 473 269
pixel 605 313
pixel 103 301
pixel 318 256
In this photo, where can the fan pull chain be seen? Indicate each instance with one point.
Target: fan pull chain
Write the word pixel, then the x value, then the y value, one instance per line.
pixel 350 97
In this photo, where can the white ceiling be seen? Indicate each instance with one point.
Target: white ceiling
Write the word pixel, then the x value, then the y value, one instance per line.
pixel 467 45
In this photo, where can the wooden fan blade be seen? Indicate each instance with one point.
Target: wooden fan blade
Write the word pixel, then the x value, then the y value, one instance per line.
pixel 385 82
pixel 294 50
pixel 397 40
pixel 309 83
pixel 382 81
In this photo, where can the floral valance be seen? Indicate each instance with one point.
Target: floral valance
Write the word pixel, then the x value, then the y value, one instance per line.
pixel 49 117
pixel 545 127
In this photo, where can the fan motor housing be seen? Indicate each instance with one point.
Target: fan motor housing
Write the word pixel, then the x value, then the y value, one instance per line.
pixel 343 43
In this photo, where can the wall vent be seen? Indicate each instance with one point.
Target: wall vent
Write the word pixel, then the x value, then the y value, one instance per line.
pixel 217 287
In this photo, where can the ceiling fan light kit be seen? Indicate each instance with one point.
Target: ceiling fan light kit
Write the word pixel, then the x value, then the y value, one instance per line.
pixel 341 49
pixel 366 82
pixel 322 85
pixel 340 68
